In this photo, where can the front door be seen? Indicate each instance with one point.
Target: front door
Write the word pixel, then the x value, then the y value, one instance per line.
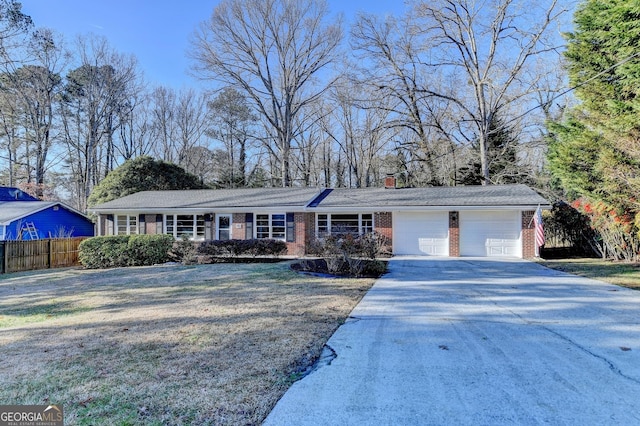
pixel 223 228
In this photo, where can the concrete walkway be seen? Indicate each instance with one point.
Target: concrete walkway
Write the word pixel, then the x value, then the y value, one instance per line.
pixel 478 342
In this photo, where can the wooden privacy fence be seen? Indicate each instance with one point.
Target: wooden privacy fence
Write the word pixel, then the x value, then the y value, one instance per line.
pixel 28 255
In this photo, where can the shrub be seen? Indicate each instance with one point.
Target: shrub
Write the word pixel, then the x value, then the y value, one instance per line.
pixel 184 251
pixel 149 249
pixel 349 254
pixel 124 250
pixel 104 252
pixel 236 248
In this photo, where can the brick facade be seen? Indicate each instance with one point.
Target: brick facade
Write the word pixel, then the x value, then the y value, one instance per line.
pixel 454 234
pixel 301 221
pixel 304 232
pixel 383 225
pixel 528 235
pixel 238 226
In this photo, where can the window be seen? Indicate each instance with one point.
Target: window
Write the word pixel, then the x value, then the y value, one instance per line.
pixel 344 224
pixel 271 226
pixel 190 225
pixel 366 223
pixel 353 223
pixel 323 225
pixel 126 225
pixel 2 228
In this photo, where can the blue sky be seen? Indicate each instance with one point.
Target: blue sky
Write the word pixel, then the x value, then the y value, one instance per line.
pixel 155 31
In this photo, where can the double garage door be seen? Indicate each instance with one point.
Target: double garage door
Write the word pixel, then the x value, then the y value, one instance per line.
pixel 482 233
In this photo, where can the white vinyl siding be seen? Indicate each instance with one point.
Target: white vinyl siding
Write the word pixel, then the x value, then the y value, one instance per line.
pixel 490 233
pixel 421 233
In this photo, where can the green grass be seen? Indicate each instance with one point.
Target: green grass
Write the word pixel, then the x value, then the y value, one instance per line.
pixel 26 314
pixel 620 273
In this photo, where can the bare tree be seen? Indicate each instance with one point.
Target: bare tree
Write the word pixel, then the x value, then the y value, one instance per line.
pixel 9 128
pixel 392 54
pixel 94 94
pixel 14 25
pixel 274 51
pixel 37 85
pixel 135 131
pixel 361 131
pixel 485 47
pixel 191 122
pixel 163 123
pixel 232 122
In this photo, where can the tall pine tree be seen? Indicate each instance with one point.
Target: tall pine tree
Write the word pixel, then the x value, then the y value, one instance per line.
pixel 595 152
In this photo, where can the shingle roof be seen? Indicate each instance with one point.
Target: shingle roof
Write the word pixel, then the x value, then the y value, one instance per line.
pixel 464 196
pixel 9 193
pixel 213 198
pixel 299 198
pixel 13 210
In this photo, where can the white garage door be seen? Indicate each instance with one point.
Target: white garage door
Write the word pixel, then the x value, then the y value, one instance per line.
pixel 490 233
pixel 421 233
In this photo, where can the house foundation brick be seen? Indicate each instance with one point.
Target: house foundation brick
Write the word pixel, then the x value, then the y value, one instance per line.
pixel 383 225
pixel 298 246
pixel 454 234
pixel 238 224
pixel 528 235
pixel 150 225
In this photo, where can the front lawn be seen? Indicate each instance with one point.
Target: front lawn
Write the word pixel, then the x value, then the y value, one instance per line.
pixel 619 273
pixel 207 344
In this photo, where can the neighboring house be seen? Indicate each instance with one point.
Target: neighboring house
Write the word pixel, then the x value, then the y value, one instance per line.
pixel 495 220
pixel 23 217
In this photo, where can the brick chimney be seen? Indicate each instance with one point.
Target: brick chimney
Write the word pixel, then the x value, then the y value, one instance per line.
pixel 390 182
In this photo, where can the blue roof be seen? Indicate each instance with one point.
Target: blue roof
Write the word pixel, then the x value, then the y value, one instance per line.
pixel 8 193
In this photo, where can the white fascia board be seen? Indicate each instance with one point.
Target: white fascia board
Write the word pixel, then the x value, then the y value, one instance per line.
pixel 34 211
pixel 423 208
pixel 201 210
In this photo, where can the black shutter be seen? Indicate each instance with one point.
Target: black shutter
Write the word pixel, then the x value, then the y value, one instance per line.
pixel 110 225
pixel 291 228
pixel 159 220
pixel 142 226
pixel 248 225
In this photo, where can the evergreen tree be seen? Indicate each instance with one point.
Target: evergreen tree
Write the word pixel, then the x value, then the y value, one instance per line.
pixel 595 152
pixel 142 174
pixel 502 158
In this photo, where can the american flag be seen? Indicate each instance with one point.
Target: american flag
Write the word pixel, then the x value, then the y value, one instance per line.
pixel 537 218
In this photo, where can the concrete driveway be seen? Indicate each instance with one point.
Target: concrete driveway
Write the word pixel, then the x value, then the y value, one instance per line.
pixel 478 342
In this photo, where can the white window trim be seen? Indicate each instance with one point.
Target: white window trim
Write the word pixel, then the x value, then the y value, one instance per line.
pixel 270 215
pixel 217 224
pixel 330 225
pixel 194 225
pixel 116 231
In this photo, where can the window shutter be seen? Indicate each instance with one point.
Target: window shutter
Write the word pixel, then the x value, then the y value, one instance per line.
pixel 142 225
pixel 248 225
pixel 159 220
pixel 110 225
pixel 291 228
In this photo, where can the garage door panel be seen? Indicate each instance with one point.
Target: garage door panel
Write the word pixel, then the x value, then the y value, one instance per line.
pixel 490 233
pixel 421 233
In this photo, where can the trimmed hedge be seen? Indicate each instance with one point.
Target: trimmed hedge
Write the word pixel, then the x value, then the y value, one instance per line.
pixel 236 248
pixel 125 250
